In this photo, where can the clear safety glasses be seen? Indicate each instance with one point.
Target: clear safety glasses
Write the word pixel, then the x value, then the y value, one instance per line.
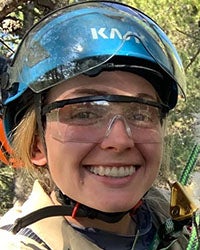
pixel 91 119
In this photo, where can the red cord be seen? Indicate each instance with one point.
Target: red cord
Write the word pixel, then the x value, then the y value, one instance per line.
pixel 133 210
pixel 75 210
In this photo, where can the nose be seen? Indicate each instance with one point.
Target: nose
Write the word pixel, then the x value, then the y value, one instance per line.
pixel 118 135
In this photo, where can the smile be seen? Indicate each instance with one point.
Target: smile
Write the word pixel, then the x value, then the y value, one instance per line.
pixel 117 172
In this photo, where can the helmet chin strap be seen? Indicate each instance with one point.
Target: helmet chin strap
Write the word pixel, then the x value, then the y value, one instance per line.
pixel 71 208
pixel 91 212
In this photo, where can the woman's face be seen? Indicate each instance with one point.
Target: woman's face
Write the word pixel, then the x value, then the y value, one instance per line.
pixel 77 167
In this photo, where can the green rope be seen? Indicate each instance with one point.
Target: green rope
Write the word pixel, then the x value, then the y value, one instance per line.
pixel 193 243
pixel 190 165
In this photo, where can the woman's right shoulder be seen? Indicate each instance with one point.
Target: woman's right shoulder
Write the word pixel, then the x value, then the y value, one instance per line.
pixel 9 241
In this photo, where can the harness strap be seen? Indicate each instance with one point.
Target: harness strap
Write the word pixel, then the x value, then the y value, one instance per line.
pixel 170 232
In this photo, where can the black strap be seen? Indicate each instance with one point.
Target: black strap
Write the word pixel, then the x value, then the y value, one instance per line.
pixel 51 211
pixel 171 230
pixel 38 215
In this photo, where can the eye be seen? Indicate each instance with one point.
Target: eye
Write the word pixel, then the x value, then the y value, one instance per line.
pixel 81 114
pixel 143 115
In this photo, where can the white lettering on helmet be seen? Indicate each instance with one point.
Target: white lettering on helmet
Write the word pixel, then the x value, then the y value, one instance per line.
pixel 112 34
pixel 100 32
pixel 115 32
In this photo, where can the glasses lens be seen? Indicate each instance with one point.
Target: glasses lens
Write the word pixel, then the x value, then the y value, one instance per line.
pixel 93 121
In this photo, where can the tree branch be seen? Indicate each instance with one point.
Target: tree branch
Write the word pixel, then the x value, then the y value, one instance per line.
pixel 8 6
pixel 193 59
pixel 188 35
pixel 46 3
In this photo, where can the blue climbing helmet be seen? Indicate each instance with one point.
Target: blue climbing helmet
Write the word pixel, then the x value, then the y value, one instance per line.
pixel 88 38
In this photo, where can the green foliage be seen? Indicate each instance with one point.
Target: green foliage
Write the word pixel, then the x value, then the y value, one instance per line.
pixel 6 188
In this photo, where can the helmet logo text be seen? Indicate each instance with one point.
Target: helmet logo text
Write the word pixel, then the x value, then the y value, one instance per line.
pixel 112 33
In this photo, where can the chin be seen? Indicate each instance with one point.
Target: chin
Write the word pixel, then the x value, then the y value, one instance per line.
pixel 114 208
pixel 120 205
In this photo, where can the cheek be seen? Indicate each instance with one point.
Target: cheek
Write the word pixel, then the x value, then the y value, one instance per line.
pixel 153 151
pixel 64 161
pixel 152 154
pixel 59 154
pixel 63 165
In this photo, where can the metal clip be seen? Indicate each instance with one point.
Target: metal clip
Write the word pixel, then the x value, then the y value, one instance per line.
pixel 181 205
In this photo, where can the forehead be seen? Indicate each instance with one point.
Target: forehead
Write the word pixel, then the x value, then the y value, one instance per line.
pixel 113 82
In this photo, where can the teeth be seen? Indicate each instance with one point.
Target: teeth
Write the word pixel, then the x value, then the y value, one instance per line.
pixel 112 171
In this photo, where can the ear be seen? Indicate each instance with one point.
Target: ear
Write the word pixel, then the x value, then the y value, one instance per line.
pixel 38 152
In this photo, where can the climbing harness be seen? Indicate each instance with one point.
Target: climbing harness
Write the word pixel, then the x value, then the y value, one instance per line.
pixel 183 211
pixel 194 240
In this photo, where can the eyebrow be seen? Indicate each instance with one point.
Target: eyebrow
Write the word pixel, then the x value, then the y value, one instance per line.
pixel 87 91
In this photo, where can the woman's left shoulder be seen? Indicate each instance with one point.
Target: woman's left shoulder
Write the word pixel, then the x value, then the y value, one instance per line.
pixel 158 201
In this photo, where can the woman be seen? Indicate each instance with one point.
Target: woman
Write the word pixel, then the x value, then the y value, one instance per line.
pixel 85 106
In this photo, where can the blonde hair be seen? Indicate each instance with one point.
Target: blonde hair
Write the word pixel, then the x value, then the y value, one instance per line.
pixel 23 142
